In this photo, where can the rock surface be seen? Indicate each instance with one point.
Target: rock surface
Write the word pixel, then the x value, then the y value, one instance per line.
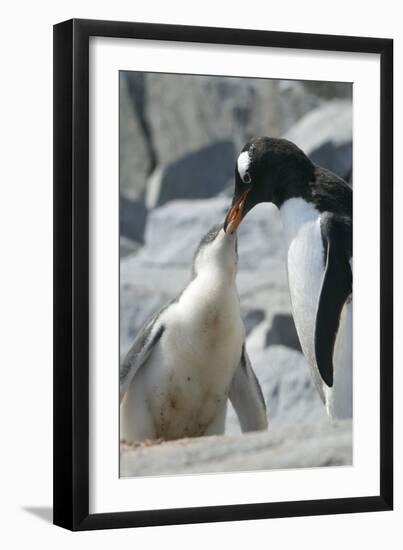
pixel 165 117
pixel 188 112
pixel 134 158
pixel 132 219
pixel 298 446
pixel 198 175
pixel 325 134
pixel 283 332
pixel 286 386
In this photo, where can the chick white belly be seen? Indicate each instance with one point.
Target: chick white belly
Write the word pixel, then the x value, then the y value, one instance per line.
pixel 183 388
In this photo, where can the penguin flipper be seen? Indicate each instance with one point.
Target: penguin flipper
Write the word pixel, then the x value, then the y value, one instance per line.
pixel 336 288
pixel 138 354
pixel 247 398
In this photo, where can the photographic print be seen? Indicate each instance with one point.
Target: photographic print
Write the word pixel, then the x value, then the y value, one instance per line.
pixel 235 274
pixel 203 274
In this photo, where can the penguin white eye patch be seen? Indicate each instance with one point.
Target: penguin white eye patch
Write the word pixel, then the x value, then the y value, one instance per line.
pixel 243 166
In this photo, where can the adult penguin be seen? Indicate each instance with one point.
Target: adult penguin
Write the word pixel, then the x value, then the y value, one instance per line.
pixel 316 209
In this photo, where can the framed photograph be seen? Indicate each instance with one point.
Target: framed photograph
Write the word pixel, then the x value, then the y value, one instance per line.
pixel 211 360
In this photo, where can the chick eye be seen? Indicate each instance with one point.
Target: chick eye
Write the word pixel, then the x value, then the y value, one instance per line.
pixel 246 178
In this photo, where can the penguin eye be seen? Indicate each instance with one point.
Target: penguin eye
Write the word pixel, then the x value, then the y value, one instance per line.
pixel 247 178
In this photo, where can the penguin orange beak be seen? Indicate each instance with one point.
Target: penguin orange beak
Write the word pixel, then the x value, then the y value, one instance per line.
pixel 235 215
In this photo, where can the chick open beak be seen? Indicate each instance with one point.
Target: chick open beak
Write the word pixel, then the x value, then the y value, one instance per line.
pixel 235 215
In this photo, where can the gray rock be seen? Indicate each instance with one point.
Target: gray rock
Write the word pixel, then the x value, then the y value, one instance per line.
pixel 189 112
pixel 134 157
pixel 164 117
pixel 290 393
pixel 136 82
pixel 335 157
pixel 328 89
pixel 325 135
pixel 251 318
pixel 265 288
pixel 143 291
pixel 295 102
pixel 132 219
pixel 287 386
pixel 174 230
pixel 127 246
pixel 197 175
pixel 298 446
pixel 282 332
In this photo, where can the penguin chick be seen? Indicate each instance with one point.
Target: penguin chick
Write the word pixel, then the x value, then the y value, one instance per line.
pixel 190 357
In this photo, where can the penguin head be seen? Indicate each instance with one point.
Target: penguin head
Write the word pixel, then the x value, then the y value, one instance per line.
pixel 267 170
pixel 217 250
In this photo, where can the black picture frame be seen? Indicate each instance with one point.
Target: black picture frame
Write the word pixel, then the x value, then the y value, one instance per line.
pixel 71 274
